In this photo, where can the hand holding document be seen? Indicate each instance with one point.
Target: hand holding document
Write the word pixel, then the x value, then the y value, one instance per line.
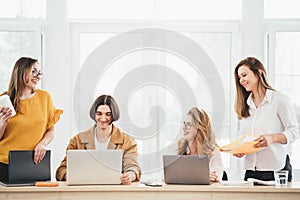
pixel 243 145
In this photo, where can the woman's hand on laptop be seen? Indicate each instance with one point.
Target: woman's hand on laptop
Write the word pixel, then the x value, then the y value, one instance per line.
pixel 127 177
pixel 213 177
pixel 39 152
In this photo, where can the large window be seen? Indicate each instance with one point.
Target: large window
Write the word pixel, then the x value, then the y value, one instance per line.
pixel 284 48
pixel 287 75
pixel 212 25
pixel 15 44
pixel 154 86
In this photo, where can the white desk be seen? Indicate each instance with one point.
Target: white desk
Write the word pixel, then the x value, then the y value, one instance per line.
pixel 140 191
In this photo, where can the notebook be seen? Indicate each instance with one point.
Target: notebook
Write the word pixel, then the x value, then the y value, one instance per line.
pixel 22 171
pixel 87 167
pixel 186 169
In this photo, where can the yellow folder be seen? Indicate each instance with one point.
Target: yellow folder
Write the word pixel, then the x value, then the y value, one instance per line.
pixel 244 144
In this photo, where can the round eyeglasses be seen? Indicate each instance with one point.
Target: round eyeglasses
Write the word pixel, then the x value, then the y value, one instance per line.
pixel 187 125
pixel 36 73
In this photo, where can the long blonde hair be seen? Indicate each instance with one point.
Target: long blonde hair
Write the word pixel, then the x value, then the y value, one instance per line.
pixel 18 78
pixel 205 138
pixel 241 106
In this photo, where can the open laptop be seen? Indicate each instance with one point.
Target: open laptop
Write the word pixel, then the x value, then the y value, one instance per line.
pixel 186 169
pixel 22 171
pixel 87 167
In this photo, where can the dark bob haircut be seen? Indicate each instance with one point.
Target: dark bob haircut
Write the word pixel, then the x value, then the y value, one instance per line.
pixel 109 101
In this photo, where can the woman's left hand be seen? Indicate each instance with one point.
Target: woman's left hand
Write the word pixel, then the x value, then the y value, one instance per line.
pixel 263 141
pixel 39 152
pixel 213 177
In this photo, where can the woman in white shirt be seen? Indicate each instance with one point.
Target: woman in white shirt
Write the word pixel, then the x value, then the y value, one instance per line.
pixel 198 139
pixel 266 114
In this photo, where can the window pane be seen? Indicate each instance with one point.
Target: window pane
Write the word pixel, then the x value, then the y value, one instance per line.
pixel 22 8
pixel 90 41
pixel 198 9
pixel 288 76
pixel 140 109
pixel 224 140
pixel 289 86
pixel 13 46
pixel 287 53
pixel 111 10
pixel 281 9
pixel 155 9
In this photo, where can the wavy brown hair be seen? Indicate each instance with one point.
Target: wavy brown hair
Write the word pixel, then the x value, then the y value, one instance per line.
pixel 205 138
pixel 241 106
pixel 17 80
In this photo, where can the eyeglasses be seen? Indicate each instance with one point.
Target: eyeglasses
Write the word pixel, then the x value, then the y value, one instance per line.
pixel 36 73
pixel 187 125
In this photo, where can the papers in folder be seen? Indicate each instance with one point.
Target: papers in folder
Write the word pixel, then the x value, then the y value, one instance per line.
pixel 244 144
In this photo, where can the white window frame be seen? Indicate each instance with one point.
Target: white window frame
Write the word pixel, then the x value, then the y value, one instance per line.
pixel 273 27
pixel 76 28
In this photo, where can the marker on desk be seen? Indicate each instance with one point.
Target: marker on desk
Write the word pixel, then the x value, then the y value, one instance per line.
pixel 46 184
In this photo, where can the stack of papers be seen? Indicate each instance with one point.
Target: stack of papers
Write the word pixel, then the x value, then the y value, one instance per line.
pixel 244 144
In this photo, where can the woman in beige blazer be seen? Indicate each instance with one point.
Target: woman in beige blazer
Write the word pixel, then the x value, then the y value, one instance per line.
pixel 104 135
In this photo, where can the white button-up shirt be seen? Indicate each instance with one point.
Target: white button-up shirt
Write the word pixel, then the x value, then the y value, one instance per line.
pixel 274 115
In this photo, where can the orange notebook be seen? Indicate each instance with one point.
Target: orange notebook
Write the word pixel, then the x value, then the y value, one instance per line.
pixel 244 144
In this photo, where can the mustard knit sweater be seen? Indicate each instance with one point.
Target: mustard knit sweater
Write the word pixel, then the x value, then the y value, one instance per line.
pixel 26 129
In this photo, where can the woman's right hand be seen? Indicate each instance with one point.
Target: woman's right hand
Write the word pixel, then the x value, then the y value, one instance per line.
pixel 239 155
pixel 5 114
pixel 213 177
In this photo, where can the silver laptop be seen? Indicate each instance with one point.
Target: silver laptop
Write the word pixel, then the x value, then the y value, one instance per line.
pixel 186 169
pixel 87 167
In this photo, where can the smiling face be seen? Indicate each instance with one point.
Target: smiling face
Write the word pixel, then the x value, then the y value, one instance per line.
pixel 247 78
pixel 33 76
pixel 189 130
pixel 103 117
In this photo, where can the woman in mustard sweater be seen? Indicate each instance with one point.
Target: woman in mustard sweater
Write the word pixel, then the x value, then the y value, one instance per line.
pixel 32 128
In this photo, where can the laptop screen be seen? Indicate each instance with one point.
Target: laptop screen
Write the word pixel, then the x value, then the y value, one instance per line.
pixel 186 169
pixel 21 167
pixel 94 167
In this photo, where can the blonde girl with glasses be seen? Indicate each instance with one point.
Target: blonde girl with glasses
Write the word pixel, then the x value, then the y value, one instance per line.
pixel 198 139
